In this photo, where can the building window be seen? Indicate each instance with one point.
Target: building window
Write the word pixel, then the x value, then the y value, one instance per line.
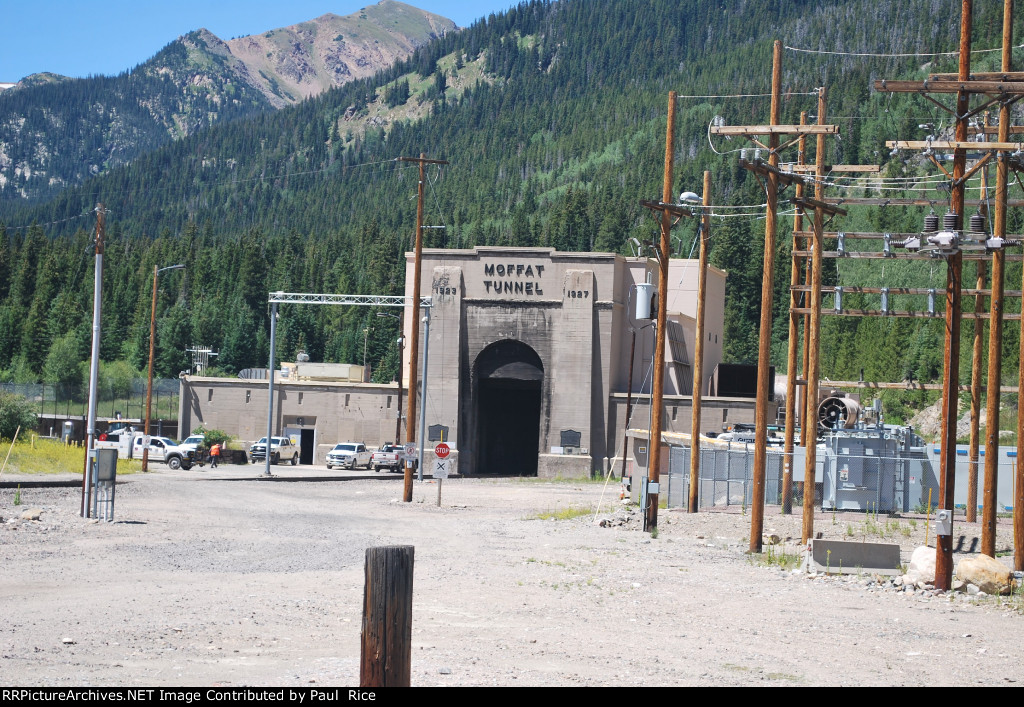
pixel 300 398
pixel 209 394
pixel 346 399
pixel 248 396
pixel 389 402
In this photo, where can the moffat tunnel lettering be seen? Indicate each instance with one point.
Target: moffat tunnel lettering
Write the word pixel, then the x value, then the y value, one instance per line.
pixel 516 284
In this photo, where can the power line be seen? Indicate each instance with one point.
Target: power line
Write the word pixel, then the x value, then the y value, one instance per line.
pixel 750 95
pixel 914 54
pixel 52 223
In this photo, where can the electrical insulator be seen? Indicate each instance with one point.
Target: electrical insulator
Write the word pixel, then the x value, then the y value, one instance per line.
pixel 887 244
pixel 841 246
pixel 950 222
pixel 977 224
pixel 839 299
pixel 931 301
pixel 885 300
pixel 931 223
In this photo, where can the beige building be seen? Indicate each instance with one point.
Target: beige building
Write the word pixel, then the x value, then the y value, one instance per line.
pixel 528 365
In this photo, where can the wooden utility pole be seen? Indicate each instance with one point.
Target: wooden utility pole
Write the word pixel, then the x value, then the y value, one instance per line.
pixel 954 282
pixel 976 351
pixel 995 338
pixel 976 355
pixel 658 384
pixel 764 382
pixel 385 658
pixel 414 336
pixel 812 337
pixel 1002 174
pixel 704 234
pixel 793 343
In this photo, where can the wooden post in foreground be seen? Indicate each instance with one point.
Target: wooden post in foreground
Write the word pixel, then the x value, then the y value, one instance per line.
pixel 385 658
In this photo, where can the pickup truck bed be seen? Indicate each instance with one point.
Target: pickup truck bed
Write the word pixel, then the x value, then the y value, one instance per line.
pixel 387 457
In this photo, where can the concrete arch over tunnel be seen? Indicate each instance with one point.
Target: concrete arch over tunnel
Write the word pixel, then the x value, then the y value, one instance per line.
pixel 508 380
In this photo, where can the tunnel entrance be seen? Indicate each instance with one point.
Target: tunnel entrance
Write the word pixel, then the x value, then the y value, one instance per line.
pixel 509 379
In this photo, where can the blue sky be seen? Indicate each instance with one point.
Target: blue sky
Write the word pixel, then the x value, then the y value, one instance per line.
pixel 77 38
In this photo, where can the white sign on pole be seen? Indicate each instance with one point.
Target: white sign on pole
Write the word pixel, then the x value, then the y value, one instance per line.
pixel 441 467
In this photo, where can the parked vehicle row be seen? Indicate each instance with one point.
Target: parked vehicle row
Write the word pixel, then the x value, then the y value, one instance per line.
pixel 191 451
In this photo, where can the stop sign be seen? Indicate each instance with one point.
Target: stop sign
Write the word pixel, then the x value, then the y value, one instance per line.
pixel 441 450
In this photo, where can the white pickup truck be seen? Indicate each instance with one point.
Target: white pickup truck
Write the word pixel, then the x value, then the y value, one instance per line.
pixel 163 449
pixel 389 456
pixel 348 455
pixel 281 451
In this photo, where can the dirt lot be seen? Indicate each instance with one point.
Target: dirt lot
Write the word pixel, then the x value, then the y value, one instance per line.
pixel 206 580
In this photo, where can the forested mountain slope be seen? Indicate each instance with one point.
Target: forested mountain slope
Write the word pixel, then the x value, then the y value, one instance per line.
pixel 553 118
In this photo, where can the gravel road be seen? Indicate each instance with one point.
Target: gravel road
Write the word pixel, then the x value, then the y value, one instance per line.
pixel 225 580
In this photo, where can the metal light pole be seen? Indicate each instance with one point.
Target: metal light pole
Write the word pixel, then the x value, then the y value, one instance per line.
pixel 270 388
pixel 423 394
pixel 401 349
pixel 94 366
pixel 366 333
pixel 149 383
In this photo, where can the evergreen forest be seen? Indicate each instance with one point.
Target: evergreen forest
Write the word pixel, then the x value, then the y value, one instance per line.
pixel 552 116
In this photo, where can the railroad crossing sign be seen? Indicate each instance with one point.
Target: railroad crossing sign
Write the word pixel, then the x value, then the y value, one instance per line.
pixel 442 451
pixel 441 467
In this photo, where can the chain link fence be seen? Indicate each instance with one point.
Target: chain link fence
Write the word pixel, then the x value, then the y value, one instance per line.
pixel 55 400
pixel 869 473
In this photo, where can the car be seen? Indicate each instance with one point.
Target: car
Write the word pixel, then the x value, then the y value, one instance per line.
pixel 348 455
pixel 389 456
pixel 281 448
pixel 163 449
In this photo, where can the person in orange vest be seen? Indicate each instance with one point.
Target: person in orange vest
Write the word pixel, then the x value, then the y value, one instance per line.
pixel 214 455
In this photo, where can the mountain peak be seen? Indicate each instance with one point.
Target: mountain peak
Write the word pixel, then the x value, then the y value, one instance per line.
pixel 291 63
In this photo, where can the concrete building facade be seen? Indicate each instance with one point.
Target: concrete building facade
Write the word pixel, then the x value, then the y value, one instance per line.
pixel 529 346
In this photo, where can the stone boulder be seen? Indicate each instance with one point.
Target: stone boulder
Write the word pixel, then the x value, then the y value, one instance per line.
pixel 921 570
pixel 32 514
pixel 986 573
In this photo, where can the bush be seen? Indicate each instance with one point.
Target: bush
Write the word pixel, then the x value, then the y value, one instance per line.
pixel 15 412
pixel 212 437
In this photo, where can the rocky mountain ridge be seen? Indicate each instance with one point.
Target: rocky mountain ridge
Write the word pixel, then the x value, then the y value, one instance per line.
pixel 56 131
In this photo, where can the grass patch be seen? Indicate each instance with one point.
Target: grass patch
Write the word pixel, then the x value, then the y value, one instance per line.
pixel 777 556
pixel 49 456
pixel 565 513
